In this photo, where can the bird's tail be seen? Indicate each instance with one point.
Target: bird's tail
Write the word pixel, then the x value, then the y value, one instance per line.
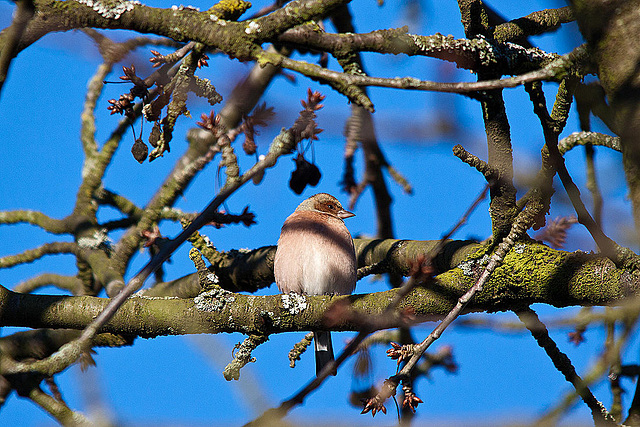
pixel 324 350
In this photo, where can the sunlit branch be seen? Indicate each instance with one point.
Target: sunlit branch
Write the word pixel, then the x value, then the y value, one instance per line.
pixel 31 255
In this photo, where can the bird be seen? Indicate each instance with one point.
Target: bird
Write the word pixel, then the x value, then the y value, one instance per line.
pixel 316 256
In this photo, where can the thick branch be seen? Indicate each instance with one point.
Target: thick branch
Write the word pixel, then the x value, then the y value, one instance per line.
pixel 531 273
pixel 466 53
pixel 500 153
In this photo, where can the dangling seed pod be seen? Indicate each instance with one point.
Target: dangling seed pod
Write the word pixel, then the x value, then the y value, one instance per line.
pixel 154 136
pixel 140 150
pixel 304 174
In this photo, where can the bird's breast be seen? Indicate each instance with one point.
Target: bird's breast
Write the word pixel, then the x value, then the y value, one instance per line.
pixel 315 257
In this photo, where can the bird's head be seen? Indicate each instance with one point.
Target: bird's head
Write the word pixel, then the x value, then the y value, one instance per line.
pixel 324 203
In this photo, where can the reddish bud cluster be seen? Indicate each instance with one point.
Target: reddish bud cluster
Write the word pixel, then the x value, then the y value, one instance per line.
pixel 400 352
pixel 209 122
pixel 373 405
pixel 122 105
pixel 411 401
pixel 260 117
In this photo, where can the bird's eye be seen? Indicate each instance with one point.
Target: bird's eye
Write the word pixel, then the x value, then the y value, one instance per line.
pixel 330 206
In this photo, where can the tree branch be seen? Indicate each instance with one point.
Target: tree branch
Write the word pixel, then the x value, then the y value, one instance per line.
pixel 31 255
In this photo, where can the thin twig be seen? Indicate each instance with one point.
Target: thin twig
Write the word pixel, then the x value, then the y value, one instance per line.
pixel 560 360
pixel 31 255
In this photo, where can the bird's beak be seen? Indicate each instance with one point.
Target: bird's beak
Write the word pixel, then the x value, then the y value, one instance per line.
pixel 345 214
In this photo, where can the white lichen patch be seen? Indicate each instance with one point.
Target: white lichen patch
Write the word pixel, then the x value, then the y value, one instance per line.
pixel 208 241
pixel 140 294
pixel 434 43
pixel 252 28
pixel 110 9
pixel 519 248
pixel 269 314
pixel 471 267
pixel 486 52
pixel 213 278
pixel 183 7
pixel 217 20
pixel 294 303
pixel 237 252
pixel 89 166
pixel 467 267
pixel 213 300
pixel 99 239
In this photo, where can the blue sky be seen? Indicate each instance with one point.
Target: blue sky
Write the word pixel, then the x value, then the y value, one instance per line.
pixel 502 378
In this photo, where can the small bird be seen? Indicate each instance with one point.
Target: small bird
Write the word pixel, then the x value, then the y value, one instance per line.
pixel 315 256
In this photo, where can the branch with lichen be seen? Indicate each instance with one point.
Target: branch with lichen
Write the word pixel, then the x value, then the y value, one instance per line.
pixel 589 138
pixel 465 53
pixel 560 278
pixel 520 225
pixel 31 255
pixel 48 224
pixel 299 348
pixel 247 36
pixel 534 24
pixel 342 81
pixel 243 356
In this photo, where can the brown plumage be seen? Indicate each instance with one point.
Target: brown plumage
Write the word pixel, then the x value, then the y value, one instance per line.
pixel 315 256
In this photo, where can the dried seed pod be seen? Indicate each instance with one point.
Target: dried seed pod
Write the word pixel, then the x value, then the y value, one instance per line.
pixel 140 150
pixel 314 175
pixel 304 174
pixel 154 136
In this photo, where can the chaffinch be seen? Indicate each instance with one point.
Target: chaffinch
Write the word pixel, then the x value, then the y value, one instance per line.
pixel 315 256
